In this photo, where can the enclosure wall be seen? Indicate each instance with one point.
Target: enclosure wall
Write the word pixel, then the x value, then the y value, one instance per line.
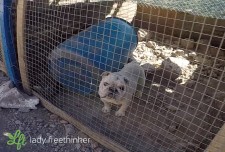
pixel 66 47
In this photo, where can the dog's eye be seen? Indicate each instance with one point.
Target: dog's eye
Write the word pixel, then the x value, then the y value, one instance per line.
pixel 122 88
pixel 105 84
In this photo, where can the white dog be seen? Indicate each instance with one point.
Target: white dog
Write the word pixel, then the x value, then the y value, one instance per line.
pixel 119 87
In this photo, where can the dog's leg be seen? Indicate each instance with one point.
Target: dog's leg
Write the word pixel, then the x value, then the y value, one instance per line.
pixel 107 107
pixel 139 91
pixel 123 108
pixel 140 86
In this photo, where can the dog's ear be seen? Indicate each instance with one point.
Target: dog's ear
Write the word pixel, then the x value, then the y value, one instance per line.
pixel 104 74
pixel 126 80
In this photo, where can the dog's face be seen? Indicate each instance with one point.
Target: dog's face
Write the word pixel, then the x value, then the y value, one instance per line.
pixel 113 86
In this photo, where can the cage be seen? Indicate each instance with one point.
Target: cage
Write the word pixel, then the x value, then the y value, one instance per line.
pixel 180 48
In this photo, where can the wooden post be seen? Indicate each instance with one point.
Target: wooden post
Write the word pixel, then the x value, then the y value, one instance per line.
pixel 2 63
pixel 21 48
pixel 218 143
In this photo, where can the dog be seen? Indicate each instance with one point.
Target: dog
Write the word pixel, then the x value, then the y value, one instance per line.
pixel 119 87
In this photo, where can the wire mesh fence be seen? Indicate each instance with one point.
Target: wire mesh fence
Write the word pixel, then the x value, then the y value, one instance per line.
pixel 88 63
pixel 1 53
pixel 205 8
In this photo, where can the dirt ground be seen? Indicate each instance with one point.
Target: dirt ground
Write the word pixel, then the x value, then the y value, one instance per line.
pixel 41 123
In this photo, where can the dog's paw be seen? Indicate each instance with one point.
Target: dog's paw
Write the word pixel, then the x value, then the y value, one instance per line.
pixel 120 113
pixel 106 109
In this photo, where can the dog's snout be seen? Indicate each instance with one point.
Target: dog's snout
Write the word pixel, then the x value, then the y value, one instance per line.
pixel 114 90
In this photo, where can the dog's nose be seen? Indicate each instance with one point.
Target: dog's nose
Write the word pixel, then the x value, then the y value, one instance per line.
pixel 114 90
pixel 111 89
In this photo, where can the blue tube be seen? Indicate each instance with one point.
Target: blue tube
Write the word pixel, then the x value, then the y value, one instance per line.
pixel 7 38
pixel 103 47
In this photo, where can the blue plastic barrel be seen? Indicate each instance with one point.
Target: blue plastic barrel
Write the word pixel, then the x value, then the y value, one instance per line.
pixel 7 38
pixel 77 62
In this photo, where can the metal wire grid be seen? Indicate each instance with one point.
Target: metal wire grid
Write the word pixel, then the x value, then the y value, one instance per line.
pixel 150 123
pixel 202 91
pixel 205 8
pixel 1 52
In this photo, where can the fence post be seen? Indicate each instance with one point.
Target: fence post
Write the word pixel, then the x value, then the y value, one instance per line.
pixel 21 48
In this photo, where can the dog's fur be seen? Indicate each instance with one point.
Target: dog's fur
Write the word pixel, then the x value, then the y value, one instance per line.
pixel 119 87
